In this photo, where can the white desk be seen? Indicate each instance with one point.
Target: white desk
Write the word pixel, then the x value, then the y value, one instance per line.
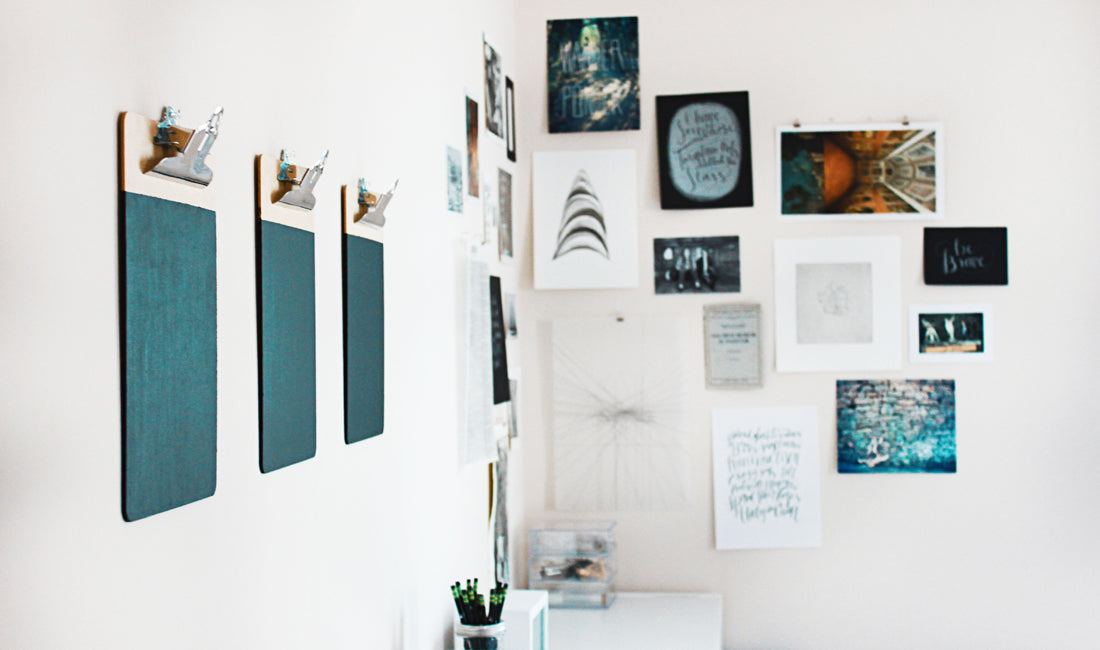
pixel 641 621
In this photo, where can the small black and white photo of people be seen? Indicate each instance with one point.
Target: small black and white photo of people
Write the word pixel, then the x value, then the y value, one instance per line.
pixel 697 265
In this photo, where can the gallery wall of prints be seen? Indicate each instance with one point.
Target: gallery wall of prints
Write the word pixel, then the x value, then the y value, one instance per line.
pixel 790 285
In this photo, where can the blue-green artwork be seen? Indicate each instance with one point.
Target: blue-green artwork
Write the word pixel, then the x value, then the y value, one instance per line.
pixel 895 425
pixel 169 355
pixel 364 339
pixel 288 356
pixel 454 180
pixel 592 74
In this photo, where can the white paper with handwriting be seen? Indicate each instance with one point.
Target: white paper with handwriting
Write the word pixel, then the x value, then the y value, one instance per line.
pixel 767 478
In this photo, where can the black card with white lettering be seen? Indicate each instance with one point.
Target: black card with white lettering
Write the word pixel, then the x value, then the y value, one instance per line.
pixel 966 256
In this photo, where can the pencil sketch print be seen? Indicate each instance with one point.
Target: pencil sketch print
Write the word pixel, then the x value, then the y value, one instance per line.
pixel 833 303
pixel 618 408
pixel 582 222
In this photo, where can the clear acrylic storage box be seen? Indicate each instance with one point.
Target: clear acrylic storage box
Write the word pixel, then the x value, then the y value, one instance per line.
pixel 574 562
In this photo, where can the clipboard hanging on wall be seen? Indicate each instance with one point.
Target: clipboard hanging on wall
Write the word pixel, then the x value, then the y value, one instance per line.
pixel 168 313
pixel 364 311
pixel 286 310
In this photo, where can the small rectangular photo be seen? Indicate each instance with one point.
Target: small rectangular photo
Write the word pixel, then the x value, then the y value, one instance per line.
pixel 697 265
pixel 951 333
pixel 494 92
pixel 454 180
pixel 510 315
pixel 861 172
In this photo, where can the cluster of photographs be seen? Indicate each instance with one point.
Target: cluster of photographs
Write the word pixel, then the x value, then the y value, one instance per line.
pixel 837 299
pixel 499 112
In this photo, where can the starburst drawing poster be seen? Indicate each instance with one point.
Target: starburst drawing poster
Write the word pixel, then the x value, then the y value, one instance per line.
pixel 585 224
pixel 618 410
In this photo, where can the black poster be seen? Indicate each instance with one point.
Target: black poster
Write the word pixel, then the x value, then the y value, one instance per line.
pixel 966 256
pixel 501 392
pixel 510 118
pixel 705 150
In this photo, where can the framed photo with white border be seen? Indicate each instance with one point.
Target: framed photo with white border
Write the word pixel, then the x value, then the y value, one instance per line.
pixel 951 333
pixel 837 304
pixel 860 172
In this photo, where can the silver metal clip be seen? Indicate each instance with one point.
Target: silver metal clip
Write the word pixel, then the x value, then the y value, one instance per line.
pixel 374 206
pixel 301 196
pixel 190 165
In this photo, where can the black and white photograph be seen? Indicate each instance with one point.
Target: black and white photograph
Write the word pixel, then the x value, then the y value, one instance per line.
pixel 510 315
pixel 833 303
pixel 697 265
pixel 950 333
pixel 494 92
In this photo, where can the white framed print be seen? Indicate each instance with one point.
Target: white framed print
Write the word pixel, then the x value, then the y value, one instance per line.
pixel 837 304
pixel 861 172
pixel 951 333
pixel 585 224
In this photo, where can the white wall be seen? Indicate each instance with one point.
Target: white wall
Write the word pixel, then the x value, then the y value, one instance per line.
pixel 1000 555
pixel 354 548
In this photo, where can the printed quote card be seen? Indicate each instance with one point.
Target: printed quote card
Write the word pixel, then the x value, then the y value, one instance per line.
pixel 705 150
pixel 767 478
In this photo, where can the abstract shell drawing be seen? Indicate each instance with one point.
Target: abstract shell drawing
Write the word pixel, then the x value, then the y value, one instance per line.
pixel 582 222
pixel 585 225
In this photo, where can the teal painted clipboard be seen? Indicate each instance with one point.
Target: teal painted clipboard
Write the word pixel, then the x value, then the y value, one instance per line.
pixel 286 325
pixel 364 325
pixel 167 330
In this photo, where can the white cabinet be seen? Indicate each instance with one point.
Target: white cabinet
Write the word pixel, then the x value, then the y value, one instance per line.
pixel 641 621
